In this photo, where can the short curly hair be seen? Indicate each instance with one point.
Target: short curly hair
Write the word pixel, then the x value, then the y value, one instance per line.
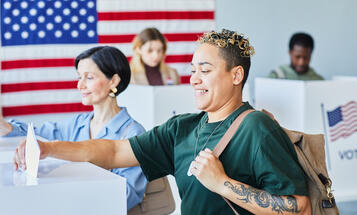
pixel 234 48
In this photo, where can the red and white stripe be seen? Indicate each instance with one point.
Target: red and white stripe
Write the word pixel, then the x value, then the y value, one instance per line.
pixel 349 123
pixel 39 79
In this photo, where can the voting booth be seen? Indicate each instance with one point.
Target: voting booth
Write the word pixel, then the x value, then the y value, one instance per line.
pixel 62 187
pixel 326 107
pixel 154 105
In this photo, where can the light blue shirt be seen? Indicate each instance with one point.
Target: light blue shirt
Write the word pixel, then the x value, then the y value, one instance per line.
pixel 122 126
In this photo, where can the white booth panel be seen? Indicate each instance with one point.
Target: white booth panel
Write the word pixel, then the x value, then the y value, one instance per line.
pixel 284 99
pixel 303 106
pixel 153 105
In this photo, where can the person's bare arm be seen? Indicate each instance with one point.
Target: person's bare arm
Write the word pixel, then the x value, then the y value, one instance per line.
pixel 262 202
pixel 104 153
pixel 209 171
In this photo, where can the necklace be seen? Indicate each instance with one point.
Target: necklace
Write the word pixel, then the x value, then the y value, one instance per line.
pixel 198 136
pixel 204 145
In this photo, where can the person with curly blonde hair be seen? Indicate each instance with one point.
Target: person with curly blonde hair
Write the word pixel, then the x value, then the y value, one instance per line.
pixel 147 64
pixel 258 171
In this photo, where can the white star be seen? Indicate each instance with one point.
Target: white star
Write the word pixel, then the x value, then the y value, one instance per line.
pixel 7 6
pixel 41 34
pixel 74 19
pixel 91 33
pixel 83 12
pixel 49 26
pixel 24 19
pixel 66 26
pixel 33 26
pixel 7 35
pixel 41 19
pixel 16 27
pixel 33 12
pixel 66 11
pixel 91 19
pixel 58 4
pixel 41 4
pixel 58 19
pixel 16 12
pixel 90 4
pixel 82 26
pixel 74 4
pixel 74 33
pixel 24 34
pixel 7 20
pixel 24 5
pixel 49 11
pixel 58 34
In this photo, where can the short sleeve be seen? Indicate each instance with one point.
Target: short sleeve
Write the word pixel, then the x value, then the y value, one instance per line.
pixel 155 150
pixel 276 166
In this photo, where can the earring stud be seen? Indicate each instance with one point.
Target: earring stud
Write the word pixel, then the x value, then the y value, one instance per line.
pixel 112 93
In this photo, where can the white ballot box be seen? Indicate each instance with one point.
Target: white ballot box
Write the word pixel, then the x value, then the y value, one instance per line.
pixel 62 188
pixel 326 107
pixel 154 105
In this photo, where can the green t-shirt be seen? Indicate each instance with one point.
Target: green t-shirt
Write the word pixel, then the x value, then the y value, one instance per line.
pixel 260 154
pixel 286 72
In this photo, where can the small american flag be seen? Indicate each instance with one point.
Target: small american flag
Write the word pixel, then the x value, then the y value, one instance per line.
pixel 41 38
pixel 342 121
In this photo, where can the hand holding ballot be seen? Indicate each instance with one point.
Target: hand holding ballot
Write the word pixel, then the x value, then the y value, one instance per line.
pixel 28 153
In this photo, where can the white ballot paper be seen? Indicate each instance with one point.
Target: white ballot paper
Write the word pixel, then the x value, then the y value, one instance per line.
pixel 32 151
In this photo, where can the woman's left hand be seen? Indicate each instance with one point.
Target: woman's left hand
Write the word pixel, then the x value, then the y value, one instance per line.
pixel 209 170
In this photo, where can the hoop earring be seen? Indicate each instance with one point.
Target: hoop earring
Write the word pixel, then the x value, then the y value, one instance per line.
pixel 112 93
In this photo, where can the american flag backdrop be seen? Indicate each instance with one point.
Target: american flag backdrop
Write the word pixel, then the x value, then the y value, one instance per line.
pixel 41 38
pixel 342 121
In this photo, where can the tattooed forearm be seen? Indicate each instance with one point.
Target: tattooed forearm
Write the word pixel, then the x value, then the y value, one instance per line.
pixel 264 199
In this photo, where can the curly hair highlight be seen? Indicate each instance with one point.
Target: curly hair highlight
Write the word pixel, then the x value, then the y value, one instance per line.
pixel 234 48
pixel 227 38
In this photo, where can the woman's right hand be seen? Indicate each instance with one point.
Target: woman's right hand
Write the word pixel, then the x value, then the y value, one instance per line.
pixel 20 156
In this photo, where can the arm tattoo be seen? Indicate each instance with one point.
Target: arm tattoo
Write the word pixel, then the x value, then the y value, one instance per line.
pixel 264 199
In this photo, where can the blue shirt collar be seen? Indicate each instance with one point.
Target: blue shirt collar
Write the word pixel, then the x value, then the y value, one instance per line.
pixel 118 120
pixel 114 124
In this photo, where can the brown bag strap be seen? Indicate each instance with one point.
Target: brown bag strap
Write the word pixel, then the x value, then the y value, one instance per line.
pixel 222 144
pixel 217 151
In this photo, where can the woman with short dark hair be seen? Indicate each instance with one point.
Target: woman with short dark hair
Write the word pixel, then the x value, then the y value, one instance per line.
pixel 103 73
